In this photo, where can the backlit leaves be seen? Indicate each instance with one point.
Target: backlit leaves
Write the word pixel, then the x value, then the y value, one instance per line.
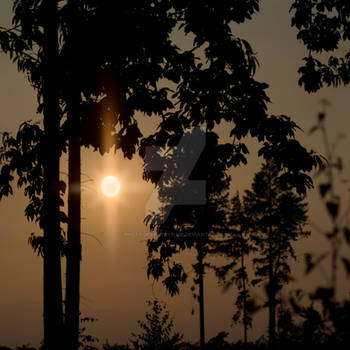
pixel 323 26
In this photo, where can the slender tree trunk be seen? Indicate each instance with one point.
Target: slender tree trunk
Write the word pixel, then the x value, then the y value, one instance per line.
pixel 272 321
pixel 201 297
pixel 271 297
pixel 72 311
pixel 53 313
pixel 245 315
pixel 271 282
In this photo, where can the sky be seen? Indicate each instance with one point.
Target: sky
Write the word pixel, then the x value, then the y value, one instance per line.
pixel 114 285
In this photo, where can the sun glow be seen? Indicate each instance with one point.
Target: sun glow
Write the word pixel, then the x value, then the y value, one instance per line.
pixel 110 186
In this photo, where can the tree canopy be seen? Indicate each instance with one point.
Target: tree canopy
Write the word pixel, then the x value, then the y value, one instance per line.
pixel 323 26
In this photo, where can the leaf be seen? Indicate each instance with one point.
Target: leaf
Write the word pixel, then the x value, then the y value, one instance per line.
pixel 346 263
pixel 333 209
pixel 62 187
pixel 63 217
pixel 155 268
pixel 255 282
pixel 339 164
pixel 324 294
pixel 309 264
pixel 331 235
pixel 235 317
pixel 252 307
pixel 346 231
pixel 324 188
pixel 321 116
pixel 297 309
pixel 227 286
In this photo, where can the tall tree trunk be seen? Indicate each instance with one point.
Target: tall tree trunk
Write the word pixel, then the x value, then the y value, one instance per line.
pixel 53 313
pixel 74 238
pixel 72 310
pixel 201 296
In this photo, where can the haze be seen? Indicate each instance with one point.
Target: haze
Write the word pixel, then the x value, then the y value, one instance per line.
pixel 114 284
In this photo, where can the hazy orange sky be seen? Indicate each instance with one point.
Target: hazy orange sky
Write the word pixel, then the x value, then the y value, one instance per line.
pixel 114 285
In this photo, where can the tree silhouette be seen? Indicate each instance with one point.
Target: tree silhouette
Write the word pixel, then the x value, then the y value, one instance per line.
pixel 120 95
pixel 323 26
pixel 73 247
pixel 223 88
pixel 21 43
pixel 157 330
pixel 189 225
pixel 53 313
pixel 118 85
pixel 313 328
pixel 109 119
pixel 235 246
pixel 288 333
pixel 277 216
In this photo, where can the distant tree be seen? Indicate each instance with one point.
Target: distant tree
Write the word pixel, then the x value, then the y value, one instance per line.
pixel 340 316
pixel 288 333
pixel 313 328
pixel 323 26
pixel 156 330
pixel 235 246
pixel 277 216
pixel 219 342
pixel 188 226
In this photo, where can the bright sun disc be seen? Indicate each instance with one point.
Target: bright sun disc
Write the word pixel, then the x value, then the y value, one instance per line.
pixel 110 186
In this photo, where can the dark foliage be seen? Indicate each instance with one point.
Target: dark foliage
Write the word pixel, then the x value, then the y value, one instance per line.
pixel 187 226
pixel 236 246
pixel 22 156
pixel 277 217
pixel 192 224
pixel 323 26
pixel 157 330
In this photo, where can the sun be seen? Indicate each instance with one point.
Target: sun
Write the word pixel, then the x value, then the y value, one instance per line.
pixel 110 186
